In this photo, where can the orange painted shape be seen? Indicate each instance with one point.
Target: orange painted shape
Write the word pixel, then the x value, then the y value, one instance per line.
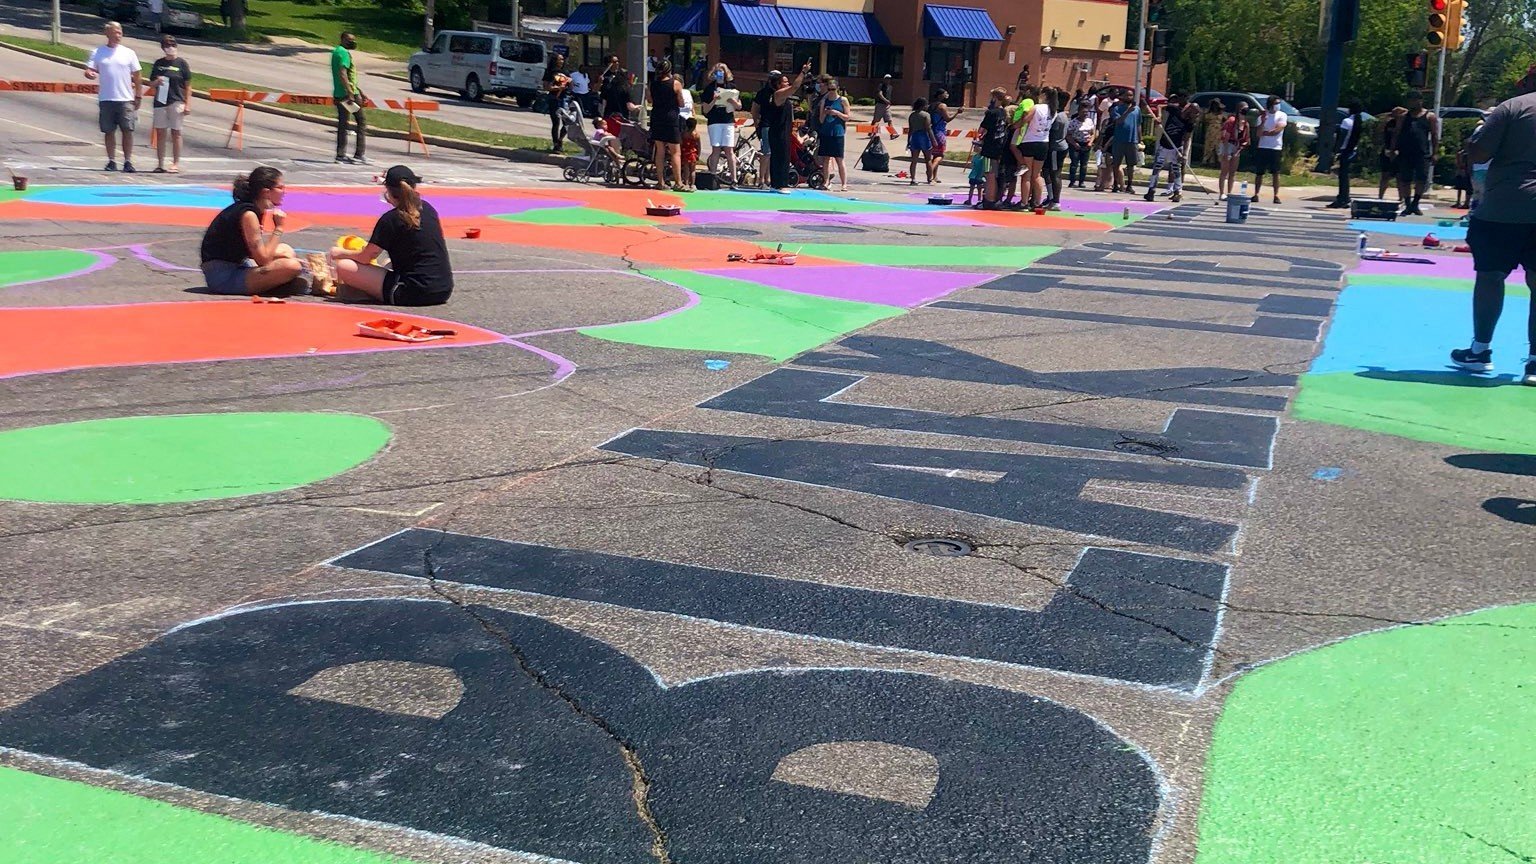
pixel 131 214
pixel 638 243
pixel 59 338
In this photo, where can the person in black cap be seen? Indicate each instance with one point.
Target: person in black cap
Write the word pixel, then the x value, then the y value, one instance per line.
pixel 418 273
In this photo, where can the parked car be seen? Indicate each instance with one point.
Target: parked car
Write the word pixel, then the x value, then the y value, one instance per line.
pixel 1253 103
pixel 1154 98
pixel 1456 112
pixel 1316 113
pixel 474 64
pixel 177 15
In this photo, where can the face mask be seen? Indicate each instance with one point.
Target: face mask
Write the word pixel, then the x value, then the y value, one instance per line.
pixel 719 76
pixel 170 53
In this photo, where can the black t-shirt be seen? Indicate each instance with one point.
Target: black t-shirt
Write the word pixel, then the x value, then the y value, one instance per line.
pixel 1413 138
pixel 178 73
pixel 419 257
pixel 1175 126
pixel 718 114
pixel 615 91
pixel 224 241
pixel 775 116
pixel 994 132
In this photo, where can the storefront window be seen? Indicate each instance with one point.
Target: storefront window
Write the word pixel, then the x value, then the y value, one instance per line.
pixel 789 56
pixel 744 53
pixel 846 61
pixel 949 63
pixel 887 61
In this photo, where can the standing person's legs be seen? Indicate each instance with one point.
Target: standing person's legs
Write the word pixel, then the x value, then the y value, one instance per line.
pixel 659 161
pixel 162 133
pixel 1497 249
pixel 1345 161
pixel 343 117
pixel 912 169
pixel 675 159
pixel 360 151
pixel 1381 186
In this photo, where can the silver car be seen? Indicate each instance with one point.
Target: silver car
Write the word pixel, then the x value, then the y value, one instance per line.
pixel 1253 104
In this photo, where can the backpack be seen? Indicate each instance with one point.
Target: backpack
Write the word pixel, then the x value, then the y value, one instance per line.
pixel 874 158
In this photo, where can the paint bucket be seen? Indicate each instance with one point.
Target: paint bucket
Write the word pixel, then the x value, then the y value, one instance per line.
pixel 472 233
pixel 1237 208
pixel 19 182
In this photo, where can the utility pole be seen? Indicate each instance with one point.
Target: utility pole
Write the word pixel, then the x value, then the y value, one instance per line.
pixel 426 28
pixel 1440 79
pixel 636 24
pixel 1339 27
pixel 1141 51
pixel 53 31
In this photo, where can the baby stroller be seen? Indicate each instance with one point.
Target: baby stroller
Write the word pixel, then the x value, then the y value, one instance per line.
pixel 594 161
pixel 803 164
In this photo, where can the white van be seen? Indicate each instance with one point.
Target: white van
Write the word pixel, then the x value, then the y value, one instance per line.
pixel 474 64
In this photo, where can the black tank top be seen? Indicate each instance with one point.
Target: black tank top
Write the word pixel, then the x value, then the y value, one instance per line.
pixel 663 97
pixel 1413 139
pixel 224 240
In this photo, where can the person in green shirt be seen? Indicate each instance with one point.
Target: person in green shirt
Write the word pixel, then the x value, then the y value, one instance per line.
pixel 344 88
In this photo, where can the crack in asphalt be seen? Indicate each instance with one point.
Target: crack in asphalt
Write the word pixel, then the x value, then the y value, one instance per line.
pixel 640 781
pixel 1530 859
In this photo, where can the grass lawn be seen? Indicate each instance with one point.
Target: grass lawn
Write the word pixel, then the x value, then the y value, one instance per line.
pixel 378 119
pixel 392 33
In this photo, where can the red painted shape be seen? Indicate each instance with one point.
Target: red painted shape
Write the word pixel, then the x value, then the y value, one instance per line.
pixel 59 338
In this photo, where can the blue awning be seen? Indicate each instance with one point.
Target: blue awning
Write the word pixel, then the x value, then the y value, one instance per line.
pixel 690 20
pixel 584 19
pixel 959 22
pixel 822 25
pixel 762 21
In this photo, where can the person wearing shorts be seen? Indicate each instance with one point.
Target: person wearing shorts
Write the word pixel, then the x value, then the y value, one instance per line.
pixel 1502 230
pixel 236 259
pixel 920 139
pixel 1125 128
pixel 171 78
pixel 1272 125
pixel 120 93
pixel 721 102
pixel 419 273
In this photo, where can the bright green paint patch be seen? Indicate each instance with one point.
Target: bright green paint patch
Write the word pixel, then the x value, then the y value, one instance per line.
pixel 774 202
pixel 745 318
pixel 570 216
pixel 44 820
pixel 1113 220
pixel 921 255
pixel 1514 288
pixel 1390 748
pixel 1443 407
pixel 33 265
pixel 185 457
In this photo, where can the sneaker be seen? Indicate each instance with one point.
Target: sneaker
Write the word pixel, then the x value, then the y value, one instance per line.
pixel 360 160
pixel 1475 361
pixel 128 167
pixel 1529 378
pixel 1336 204
pixel 344 160
pixel 1176 197
pixel 1149 196
pixel 111 165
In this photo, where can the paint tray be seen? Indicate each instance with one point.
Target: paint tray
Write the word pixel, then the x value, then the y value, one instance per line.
pixel 941 200
pixel 654 209
pixel 399 331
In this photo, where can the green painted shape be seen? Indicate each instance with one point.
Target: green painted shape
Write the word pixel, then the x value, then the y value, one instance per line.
pixel 921 255
pixel 182 457
pixel 1113 220
pixel 1445 407
pixel 44 820
pixel 758 202
pixel 1513 288
pixel 739 317
pixel 570 216
pixel 1390 747
pixel 35 264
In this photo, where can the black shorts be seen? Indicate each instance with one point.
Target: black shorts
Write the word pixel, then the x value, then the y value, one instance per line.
pixel 1035 149
pixel 1413 169
pixel 397 293
pixel 1500 247
pixel 667 133
pixel 1266 161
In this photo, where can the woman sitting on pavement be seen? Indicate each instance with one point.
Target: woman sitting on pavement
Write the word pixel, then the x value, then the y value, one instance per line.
pixel 235 257
pixel 418 273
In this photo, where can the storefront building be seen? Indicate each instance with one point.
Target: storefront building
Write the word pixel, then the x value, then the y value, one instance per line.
pixel 964 46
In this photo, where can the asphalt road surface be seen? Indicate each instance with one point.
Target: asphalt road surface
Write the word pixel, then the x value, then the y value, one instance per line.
pixel 1122 534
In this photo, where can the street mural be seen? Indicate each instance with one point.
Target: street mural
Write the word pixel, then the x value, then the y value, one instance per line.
pixel 471 723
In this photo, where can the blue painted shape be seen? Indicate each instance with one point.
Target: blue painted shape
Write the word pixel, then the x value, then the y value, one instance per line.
pixel 1406 329
pixel 1416 230
pixel 202 197
pixel 717 365
pixel 1327 474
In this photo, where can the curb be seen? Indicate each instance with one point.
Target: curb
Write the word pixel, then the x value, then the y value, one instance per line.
pixel 512 154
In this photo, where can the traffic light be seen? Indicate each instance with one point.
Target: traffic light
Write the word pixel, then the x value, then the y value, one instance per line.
pixel 1417 73
pixel 1453 23
pixel 1162 40
pixel 1154 11
pixel 1438 24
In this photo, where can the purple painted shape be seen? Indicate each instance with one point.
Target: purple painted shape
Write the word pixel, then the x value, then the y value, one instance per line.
pixel 346 202
pixel 102 262
pixel 937 216
pixel 892 286
pixel 141 252
pixel 1445 267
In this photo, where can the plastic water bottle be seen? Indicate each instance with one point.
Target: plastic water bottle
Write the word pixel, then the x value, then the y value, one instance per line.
pixel 1360 246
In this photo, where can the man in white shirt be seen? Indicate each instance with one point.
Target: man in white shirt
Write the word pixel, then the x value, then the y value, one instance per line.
pixel 121 91
pixel 581 88
pixel 1271 139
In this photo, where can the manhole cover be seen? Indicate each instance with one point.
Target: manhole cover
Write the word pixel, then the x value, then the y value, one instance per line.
pixel 830 229
pixel 942 547
pixel 722 232
pixel 1143 447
